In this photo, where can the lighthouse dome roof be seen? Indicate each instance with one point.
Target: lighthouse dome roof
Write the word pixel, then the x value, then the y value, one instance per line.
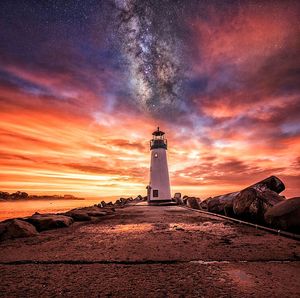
pixel 158 132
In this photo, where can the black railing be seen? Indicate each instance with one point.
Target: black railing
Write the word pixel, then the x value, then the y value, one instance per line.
pixel 158 144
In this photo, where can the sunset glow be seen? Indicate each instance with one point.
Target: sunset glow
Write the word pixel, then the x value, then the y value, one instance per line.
pixel 76 116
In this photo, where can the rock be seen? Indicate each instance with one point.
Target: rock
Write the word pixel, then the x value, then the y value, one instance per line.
pixel 125 201
pixel 44 222
pixel 16 228
pixel 178 199
pixel 219 204
pixel 85 213
pixel 272 183
pixel 285 215
pixel 2 227
pixel 96 213
pixel 140 198
pixel 78 215
pixel 252 203
pixel 193 202
pixel 184 199
pixel 118 202
pixel 103 204
pixel 204 204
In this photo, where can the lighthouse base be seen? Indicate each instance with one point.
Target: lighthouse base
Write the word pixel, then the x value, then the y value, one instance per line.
pixel 161 202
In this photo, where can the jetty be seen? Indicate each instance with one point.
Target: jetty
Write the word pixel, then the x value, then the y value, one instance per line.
pixel 151 251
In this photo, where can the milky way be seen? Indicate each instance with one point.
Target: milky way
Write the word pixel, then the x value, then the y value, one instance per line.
pixel 153 53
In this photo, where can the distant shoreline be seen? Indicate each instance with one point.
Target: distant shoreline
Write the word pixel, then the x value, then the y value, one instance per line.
pixel 42 199
pixel 23 196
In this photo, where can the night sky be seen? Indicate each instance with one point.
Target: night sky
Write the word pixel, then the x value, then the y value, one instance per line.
pixel 84 83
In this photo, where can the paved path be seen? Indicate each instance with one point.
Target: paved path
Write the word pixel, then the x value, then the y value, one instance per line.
pixel 151 251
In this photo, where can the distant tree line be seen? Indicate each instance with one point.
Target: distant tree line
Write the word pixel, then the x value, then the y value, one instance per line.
pixel 19 195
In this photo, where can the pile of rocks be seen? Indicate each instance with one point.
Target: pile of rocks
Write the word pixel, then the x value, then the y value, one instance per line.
pixel 259 203
pixel 32 225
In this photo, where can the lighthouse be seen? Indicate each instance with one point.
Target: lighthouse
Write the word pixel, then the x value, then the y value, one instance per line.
pixel 158 189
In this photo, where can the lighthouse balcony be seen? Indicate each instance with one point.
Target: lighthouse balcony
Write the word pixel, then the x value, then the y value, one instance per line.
pixel 162 143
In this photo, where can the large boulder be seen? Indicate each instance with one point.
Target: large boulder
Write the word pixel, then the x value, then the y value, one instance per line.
pixel 86 213
pixel 271 183
pixel 16 228
pixel 92 211
pixel 285 215
pixel 219 204
pixel 118 203
pixel 44 222
pixel 124 201
pixel 121 202
pixel 193 202
pixel 204 204
pixel 127 200
pixel 178 199
pixel 103 204
pixel 184 199
pixel 78 215
pixel 252 203
pixel 140 198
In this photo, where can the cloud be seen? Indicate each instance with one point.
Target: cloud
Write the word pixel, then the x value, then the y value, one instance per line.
pixel 127 144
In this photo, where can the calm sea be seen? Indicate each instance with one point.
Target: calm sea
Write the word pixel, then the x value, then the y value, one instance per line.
pixel 11 209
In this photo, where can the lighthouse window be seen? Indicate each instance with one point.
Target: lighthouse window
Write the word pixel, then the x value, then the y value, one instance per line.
pixel 155 155
pixel 155 193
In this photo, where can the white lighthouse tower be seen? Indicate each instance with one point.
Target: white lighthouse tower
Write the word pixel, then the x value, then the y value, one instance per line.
pixel 159 186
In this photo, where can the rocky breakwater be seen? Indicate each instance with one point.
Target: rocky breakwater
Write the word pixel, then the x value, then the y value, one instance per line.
pixel 260 203
pixel 36 223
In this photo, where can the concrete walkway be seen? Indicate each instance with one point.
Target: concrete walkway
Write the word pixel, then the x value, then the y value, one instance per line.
pixel 151 251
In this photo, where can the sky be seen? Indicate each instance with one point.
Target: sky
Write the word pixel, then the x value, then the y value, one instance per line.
pixel 83 84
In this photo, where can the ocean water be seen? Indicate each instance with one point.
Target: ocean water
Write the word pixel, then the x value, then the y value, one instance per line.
pixel 11 209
